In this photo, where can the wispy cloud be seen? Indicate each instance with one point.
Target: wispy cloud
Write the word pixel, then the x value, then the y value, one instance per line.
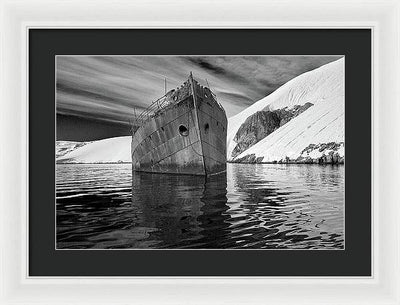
pixel 109 87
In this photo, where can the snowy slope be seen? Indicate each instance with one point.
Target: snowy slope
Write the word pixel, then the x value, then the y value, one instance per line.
pixel 110 150
pixel 65 147
pixel 322 85
pixel 322 123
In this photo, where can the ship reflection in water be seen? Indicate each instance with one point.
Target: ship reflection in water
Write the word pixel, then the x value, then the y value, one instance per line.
pixel 252 206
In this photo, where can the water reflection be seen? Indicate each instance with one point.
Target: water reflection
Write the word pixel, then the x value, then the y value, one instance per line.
pixel 253 206
pixel 186 211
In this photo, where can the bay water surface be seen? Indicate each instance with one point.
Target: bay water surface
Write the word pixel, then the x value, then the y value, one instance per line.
pixel 253 206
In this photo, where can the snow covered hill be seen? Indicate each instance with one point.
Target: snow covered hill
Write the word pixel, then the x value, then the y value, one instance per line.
pixel 65 147
pixel 112 150
pixel 320 124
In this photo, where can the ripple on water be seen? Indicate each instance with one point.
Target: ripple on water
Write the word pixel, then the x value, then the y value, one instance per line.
pixel 263 206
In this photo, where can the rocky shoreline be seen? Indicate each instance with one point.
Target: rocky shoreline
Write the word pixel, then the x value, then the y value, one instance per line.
pixel 317 162
pixel 323 153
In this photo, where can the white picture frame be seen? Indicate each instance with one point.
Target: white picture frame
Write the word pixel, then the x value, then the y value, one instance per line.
pixel 382 17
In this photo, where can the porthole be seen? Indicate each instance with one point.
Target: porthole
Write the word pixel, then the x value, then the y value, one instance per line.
pixel 183 130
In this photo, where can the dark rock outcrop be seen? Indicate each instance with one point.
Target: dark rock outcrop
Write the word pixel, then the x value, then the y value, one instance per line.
pixel 249 159
pixel 329 154
pixel 255 128
pixel 285 115
pixel 261 124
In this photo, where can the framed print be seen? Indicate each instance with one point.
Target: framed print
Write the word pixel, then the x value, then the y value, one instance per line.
pixel 200 154
pixel 194 173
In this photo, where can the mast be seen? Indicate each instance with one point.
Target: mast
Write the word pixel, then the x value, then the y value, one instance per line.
pixel 134 121
pixel 197 117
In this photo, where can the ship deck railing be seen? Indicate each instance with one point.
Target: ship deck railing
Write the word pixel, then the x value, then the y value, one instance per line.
pixel 155 107
pixel 149 112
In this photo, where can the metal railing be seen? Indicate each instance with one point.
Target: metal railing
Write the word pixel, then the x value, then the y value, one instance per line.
pixel 148 113
pixel 158 105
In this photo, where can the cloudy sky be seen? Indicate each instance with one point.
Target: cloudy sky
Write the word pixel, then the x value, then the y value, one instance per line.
pixel 96 95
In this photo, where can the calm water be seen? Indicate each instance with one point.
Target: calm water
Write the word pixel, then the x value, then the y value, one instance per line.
pixel 252 206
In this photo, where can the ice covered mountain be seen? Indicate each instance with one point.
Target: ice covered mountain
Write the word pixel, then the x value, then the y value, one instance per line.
pixel 111 150
pixel 302 121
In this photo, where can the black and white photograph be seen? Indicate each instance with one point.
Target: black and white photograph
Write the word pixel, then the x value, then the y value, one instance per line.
pixel 164 152
pixel 200 152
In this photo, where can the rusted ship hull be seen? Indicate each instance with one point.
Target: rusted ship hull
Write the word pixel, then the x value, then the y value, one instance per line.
pixel 188 136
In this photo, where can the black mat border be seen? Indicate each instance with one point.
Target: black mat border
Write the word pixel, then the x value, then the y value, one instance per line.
pixel 355 260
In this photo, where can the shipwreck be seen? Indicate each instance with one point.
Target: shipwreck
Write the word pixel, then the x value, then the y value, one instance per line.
pixel 183 132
